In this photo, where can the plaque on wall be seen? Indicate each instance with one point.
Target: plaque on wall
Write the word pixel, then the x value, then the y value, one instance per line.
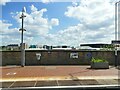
pixel 38 56
pixel 73 55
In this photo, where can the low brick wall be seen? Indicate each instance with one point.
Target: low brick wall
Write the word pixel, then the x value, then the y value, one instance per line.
pixel 56 57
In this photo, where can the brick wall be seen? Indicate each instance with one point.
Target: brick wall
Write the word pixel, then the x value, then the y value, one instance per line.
pixel 56 57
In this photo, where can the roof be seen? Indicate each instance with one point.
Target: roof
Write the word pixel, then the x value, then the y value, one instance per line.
pixel 95 45
pixel 13 45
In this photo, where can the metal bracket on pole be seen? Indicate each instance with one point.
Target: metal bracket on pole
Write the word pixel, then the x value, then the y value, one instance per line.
pixel 21 29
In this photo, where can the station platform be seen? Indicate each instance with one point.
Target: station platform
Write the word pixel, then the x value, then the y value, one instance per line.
pixel 58 76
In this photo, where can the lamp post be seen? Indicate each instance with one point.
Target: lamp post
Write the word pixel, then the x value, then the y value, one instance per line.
pixel 22 46
pixel 116 31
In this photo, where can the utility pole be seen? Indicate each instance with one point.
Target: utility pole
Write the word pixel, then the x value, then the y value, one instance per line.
pixel 116 32
pixel 22 46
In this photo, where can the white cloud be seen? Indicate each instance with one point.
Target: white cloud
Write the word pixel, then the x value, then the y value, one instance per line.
pixel 8 35
pixel 96 24
pixel 54 21
pixel 74 35
pixel 33 8
pixel 94 15
pixel 91 11
pixel 3 2
pixel 34 23
pixel 46 1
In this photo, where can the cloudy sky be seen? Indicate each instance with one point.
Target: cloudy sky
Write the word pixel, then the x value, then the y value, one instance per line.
pixel 48 22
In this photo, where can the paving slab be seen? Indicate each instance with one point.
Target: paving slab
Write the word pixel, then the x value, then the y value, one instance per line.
pixel 23 84
pixel 89 82
pixel 107 81
pixel 46 83
pixel 118 80
pixel 6 84
pixel 68 83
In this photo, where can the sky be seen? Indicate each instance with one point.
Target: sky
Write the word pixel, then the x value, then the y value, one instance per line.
pixel 53 22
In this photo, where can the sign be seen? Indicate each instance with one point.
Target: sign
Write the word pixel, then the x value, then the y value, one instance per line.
pixel 38 56
pixel 89 55
pixel 73 55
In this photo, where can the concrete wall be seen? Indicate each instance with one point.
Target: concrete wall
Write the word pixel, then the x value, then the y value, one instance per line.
pixel 56 57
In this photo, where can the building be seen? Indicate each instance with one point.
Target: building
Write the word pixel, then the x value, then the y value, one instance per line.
pixel 25 46
pixel 61 47
pixel 116 44
pixel 13 47
pixel 47 47
pixel 97 46
pixel 33 46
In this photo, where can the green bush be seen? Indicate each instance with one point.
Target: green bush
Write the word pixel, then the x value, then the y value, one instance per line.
pixel 98 60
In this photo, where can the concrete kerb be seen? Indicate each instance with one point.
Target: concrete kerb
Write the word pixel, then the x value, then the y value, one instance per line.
pixel 57 78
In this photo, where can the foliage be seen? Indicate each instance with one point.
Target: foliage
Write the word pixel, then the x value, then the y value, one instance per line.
pixel 98 60
pixel 108 47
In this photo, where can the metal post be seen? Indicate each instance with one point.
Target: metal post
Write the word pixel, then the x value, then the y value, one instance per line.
pixel 116 21
pixel 22 46
pixel 116 32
